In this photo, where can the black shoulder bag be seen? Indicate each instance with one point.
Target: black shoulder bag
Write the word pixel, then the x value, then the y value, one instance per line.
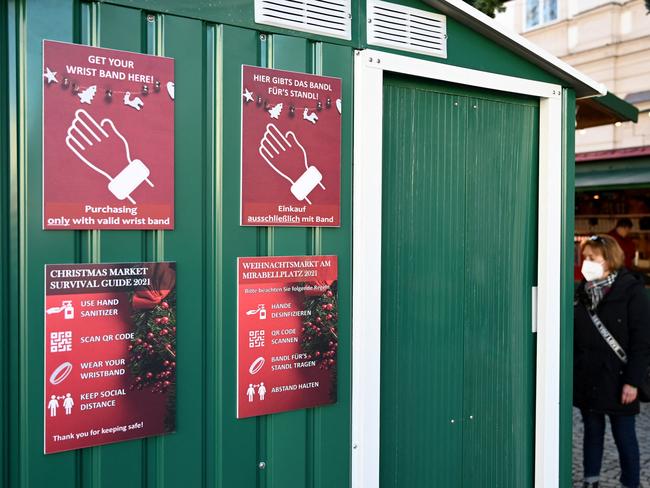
pixel 644 387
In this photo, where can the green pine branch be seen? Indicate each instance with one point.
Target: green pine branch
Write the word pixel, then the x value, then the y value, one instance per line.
pixel 491 7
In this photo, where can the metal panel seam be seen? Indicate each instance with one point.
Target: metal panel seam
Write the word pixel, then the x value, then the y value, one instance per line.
pixel 568 222
pixel 20 205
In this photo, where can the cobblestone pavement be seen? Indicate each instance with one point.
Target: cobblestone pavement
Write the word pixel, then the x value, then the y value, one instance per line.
pixel 611 471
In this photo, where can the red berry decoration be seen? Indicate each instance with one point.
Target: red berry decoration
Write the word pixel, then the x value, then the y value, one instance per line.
pixel 164 320
pixel 164 305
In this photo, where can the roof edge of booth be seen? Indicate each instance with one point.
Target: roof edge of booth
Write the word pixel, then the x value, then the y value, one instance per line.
pixel 583 85
pixel 605 110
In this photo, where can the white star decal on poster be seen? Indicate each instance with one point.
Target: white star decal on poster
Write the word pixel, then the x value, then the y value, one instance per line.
pixel 50 75
pixel 248 95
pixel 276 111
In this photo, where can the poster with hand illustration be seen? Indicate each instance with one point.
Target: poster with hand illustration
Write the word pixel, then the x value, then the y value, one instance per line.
pixel 291 149
pixel 108 138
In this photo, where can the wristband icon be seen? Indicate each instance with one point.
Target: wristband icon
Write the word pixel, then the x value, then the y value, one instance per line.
pixel 93 142
pixel 284 151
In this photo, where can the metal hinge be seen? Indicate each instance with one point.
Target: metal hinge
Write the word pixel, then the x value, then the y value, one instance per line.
pixel 533 307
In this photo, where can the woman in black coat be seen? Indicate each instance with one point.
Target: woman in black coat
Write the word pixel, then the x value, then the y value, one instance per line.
pixel 607 372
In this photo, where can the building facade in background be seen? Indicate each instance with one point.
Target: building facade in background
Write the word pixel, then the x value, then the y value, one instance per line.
pixel 607 40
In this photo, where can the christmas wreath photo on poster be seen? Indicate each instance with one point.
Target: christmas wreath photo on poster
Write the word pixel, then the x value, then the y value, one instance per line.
pixel 319 335
pixel 152 352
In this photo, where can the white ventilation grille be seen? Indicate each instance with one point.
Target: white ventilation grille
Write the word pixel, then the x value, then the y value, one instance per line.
pixel 409 29
pixel 326 17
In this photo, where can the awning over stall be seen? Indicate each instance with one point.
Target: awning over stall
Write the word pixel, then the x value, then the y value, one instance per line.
pixel 618 168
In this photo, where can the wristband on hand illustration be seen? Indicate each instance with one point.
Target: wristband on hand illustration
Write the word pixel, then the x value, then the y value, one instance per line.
pixel 284 151
pixel 86 137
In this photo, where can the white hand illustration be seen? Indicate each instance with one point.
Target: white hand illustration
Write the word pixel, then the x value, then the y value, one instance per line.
pixel 284 151
pixel 99 148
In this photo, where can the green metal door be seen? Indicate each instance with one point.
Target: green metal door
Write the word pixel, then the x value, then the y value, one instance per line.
pixel 459 249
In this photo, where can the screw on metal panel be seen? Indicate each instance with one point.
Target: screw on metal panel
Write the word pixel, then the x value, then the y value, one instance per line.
pixel 474 106
pixel 453 421
pixel 455 104
pixel 349 16
pixel 262 465
pixel 354 446
pixel 378 60
pixel 262 37
pixel 471 417
pixel 370 59
pixel 446 36
pixel 151 18
pixel 370 21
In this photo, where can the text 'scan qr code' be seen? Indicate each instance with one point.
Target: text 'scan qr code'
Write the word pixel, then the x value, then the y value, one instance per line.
pixel 255 338
pixel 61 341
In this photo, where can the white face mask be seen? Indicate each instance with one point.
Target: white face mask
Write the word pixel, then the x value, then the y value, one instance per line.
pixel 592 270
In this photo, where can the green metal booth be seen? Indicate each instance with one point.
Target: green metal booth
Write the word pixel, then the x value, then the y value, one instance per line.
pixel 454 251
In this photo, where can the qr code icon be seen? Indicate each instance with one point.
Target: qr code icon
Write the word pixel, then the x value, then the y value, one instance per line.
pixel 61 341
pixel 255 338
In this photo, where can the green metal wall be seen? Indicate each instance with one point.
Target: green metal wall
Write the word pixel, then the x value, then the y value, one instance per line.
pixel 211 448
pixel 458 264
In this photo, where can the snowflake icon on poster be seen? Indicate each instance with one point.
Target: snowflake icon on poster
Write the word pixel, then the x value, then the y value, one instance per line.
pixel 61 341
pixel 255 339
pixel 87 95
pixel 275 111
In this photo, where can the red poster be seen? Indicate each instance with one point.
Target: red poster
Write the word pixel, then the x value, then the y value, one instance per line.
pixel 110 353
pixel 108 139
pixel 291 149
pixel 287 333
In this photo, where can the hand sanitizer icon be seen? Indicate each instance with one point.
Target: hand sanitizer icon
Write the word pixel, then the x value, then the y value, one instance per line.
pixel 68 309
pixel 260 309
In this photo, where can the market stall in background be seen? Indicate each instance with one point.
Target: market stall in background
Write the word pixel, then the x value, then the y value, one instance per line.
pixel 613 187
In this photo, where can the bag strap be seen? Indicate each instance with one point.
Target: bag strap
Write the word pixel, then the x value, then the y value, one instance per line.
pixel 609 338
